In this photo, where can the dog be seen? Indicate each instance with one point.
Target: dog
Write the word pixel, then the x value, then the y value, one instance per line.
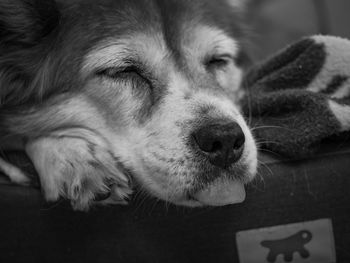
pixel 103 95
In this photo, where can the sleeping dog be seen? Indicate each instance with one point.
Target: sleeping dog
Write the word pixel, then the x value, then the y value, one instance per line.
pixel 102 93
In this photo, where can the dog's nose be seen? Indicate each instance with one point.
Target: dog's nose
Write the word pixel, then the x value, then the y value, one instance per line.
pixel 223 143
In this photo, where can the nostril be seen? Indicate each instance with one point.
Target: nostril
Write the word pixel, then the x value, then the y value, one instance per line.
pixel 216 147
pixel 207 143
pixel 239 142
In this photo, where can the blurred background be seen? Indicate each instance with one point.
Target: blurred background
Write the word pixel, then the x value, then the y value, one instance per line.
pixel 276 23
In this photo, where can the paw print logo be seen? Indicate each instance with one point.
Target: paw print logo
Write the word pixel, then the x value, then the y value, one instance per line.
pixel 288 246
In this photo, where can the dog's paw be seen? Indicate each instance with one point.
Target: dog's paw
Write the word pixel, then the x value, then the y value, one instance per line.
pixel 118 195
pixel 78 165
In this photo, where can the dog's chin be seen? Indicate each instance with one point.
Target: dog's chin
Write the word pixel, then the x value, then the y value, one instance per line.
pixel 220 193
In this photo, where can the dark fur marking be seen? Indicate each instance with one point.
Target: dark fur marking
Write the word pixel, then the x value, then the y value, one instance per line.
pixel 25 23
pixel 95 164
pixel 26 29
pixel 154 97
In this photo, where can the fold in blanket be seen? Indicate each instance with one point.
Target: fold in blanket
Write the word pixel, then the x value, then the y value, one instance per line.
pixel 300 96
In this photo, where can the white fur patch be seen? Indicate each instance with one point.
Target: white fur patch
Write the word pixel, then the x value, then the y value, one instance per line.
pixel 342 113
pixel 342 91
pixel 337 61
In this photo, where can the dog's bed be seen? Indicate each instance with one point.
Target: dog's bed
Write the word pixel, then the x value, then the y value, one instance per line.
pixel 293 107
pixel 292 191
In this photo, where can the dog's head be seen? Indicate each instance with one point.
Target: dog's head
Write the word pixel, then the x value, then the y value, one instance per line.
pixel 159 80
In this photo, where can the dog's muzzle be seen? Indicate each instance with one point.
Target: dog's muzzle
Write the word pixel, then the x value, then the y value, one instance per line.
pixel 222 144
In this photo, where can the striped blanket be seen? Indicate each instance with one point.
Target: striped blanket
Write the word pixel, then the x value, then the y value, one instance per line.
pixel 300 96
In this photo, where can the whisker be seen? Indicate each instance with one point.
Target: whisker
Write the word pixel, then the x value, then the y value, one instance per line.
pixel 259 178
pixel 272 152
pixel 141 196
pixel 156 201
pixel 259 143
pixel 57 203
pixel 250 116
pixel 266 127
pixel 266 167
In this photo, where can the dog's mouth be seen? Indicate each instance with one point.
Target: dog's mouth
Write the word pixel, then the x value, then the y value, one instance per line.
pixel 219 193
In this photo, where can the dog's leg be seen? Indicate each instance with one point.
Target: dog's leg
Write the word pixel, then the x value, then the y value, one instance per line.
pixel 77 164
pixel 14 173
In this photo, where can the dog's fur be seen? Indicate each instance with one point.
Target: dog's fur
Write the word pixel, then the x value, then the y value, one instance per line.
pixel 99 92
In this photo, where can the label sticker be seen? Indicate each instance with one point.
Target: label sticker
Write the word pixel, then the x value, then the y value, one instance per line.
pixel 306 242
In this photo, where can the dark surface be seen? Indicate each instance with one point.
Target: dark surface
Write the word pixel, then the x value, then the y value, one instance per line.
pixel 147 231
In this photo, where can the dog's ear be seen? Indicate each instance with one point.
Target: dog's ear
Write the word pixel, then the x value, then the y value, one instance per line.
pixel 26 22
pixel 26 31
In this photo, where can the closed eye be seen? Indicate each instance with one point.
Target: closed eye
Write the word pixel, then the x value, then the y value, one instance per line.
pixel 130 73
pixel 218 62
pixel 115 72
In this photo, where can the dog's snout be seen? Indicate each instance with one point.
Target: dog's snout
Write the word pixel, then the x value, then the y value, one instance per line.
pixel 223 143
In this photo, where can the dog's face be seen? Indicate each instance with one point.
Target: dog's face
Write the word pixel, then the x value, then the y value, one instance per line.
pixel 159 80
